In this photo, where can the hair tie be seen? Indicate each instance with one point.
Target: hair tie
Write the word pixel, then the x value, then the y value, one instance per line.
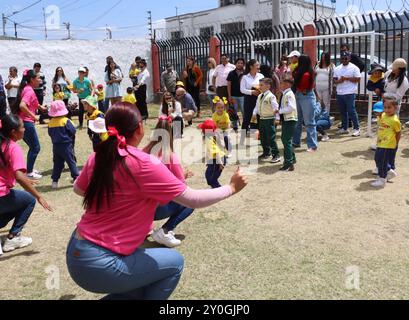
pixel 25 72
pixel 113 132
pixel 168 119
pixel 217 99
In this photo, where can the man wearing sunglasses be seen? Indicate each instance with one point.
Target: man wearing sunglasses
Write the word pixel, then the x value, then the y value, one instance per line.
pixel 347 77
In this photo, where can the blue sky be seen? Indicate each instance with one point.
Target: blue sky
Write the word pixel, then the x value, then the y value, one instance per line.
pixel 126 18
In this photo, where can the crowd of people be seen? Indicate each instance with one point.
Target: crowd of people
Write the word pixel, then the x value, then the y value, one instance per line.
pixel 104 254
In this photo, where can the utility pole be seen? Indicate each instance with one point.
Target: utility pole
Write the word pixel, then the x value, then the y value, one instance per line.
pixel 150 25
pixel 15 29
pixel 4 19
pixel 180 28
pixel 276 7
pixel 109 33
pixel 68 26
pixel 315 11
pixel 45 24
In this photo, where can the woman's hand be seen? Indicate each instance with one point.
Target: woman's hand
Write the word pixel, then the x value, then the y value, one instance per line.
pixel 255 93
pixel 238 181
pixel 44 204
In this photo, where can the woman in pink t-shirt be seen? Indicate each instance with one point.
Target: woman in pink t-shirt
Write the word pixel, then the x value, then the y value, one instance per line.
pixel 161 146
pixel 15 204
pixel 122 188
pixel 26 106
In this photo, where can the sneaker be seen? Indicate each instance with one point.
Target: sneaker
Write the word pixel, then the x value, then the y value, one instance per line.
pixel 36 171
pixel 375 171
pixel 229 155
pixel 325 138
pixel 311 150
pixel 391 174
pixel 373 146
pixel 54 185
pixel 356 133
pixel 263 157
pixel 16 243
pixel 342 131
pixel 379 183
pixel 340 126
pixel 168 239
pixel 34 176
pixel 407 124
pixel 296 146
pixel 275 159
pixel 287 168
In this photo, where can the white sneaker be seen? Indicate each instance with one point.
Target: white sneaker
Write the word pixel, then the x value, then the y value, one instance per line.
pixel 54 185
pixel 36 171
pixel 391 174
pixel 356 133
pixel 325 138
pixel 168 239
pixel 379 183
pixel 34 176
pixel 373 146
pixel 407 124
pixel 342 131
pixel 16 243
pixel 375 171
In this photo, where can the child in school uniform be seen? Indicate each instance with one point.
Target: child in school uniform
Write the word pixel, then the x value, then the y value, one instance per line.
pixel 58 94
pixel 266 108
pixel 90 105
pixel 215 157
pixel 389 133
pixel 15 205
pixel 101 97
pixel 130 96
pixel 62 133
pixel 289 117
pixel 222 120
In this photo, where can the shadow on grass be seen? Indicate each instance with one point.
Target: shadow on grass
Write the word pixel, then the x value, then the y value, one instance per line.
pixel 366 186
pixel 47 189
pixel 67 297
pixel 364 175
pixel 7 256
pixel 50 172
pixel 405 153
pixel 367 154
pixel 268 169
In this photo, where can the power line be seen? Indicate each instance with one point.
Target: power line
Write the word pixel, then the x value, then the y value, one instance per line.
pixel 105 13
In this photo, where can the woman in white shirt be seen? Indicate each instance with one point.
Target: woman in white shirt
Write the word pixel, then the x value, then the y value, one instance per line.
pixel 140 89
pixel 396 82
pixel 173 110
pixel 249 86
pixel 12 85
pixel 210 89
pixel 324 80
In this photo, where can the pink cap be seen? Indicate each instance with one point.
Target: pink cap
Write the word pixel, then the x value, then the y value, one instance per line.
pixel 58 109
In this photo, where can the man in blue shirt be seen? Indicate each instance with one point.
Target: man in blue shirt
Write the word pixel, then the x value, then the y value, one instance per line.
pixel 189 108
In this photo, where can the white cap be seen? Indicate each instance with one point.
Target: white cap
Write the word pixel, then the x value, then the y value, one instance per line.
pixel 82 69
pixel 97 125
pixel 294 53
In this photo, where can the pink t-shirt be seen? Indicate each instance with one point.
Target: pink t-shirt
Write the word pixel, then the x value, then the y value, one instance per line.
pixel 29 97
pixel 123 226
pixel 175 167
pixel 14 162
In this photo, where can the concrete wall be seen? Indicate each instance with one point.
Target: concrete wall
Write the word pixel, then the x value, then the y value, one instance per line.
pixel 71 55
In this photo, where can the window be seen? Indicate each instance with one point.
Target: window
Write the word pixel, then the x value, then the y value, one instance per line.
pixel 224 3
pixel 233 27
pixel 207 32
pixel 176 35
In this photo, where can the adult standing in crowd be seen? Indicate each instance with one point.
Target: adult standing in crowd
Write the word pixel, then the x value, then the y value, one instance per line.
pixel 108 60
pixel 61 79
pixel 396 81
pixel 210 89
pixel 220 76
pixel 26 106
pixel 304 82
pixel 12 85
pixel 3 103
pixel 293 59
pixel 141 89
pixel 122 187
pixel 192 76
pixel 282 67
pixel 168 78
pixel 249 87
pixel 89 78
pixel 347 77
pixel 189 109
pixel 113 79
pixel 355 59
pixel 236 98
pixel 325 80
pixel 40 91
pixel 83 87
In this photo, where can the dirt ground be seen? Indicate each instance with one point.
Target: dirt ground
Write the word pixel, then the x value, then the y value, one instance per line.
pixel 288 235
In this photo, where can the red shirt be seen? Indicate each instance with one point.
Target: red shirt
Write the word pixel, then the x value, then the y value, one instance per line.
pixel 304 84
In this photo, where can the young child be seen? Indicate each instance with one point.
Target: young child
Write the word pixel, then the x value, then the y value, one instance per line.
pixel 15 205
pixel 101 97
pixel 130 96
pixel 58 94
pixel 162 147
pixel 133 73
pixel 62 133
pixel 215 157
pixel 92 113
pixel 376 81
pixel 323 121
pixel 389 133
pixel 266 108
pixel 377 110
pixel 288 114
pixel 222 120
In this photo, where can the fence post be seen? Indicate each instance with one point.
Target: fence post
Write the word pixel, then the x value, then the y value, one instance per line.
pixel 311 46
pixel 155 67
pixel 214 49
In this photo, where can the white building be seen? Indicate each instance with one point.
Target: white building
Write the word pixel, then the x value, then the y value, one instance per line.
pixel 236 15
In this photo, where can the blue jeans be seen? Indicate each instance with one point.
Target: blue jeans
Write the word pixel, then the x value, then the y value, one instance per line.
pixel 31 139
pixel 238 104
pixel 175 212
pixel 346 104
pixel 17 205
pixel 323 125
pixel 306 108
pixel 385 161
pixel 63 152
pixel 146 274
pixel 213 173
